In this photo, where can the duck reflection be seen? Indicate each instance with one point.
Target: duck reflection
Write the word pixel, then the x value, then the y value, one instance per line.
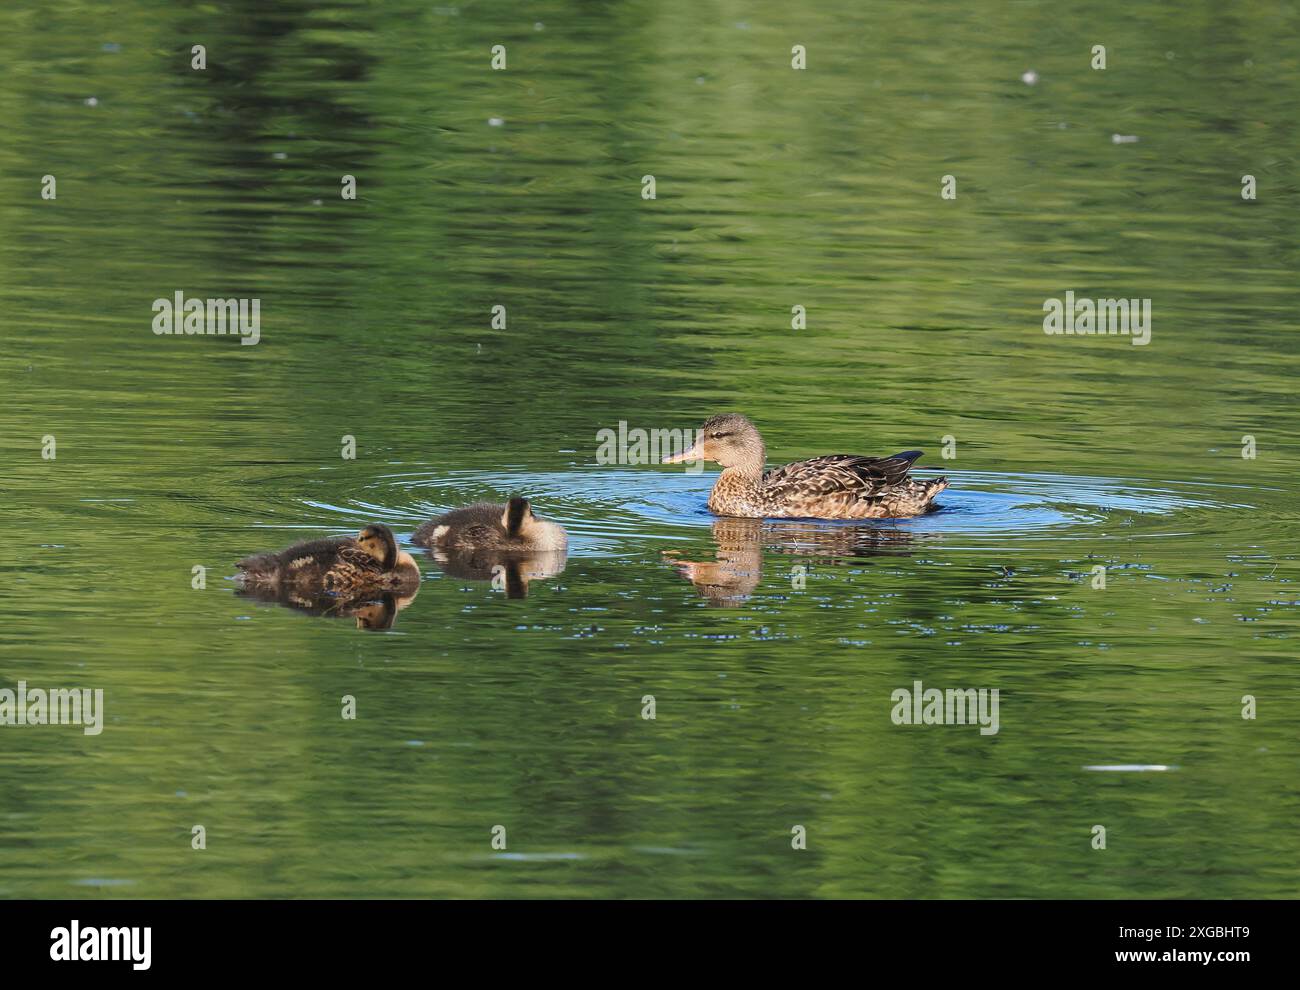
pixel 372 612
pixel 509 571
pixel 732 577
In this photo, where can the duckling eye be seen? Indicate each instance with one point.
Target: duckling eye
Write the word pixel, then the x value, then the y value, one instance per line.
pixel 719 436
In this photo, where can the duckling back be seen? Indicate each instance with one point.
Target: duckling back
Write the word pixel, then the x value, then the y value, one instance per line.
pixel 476 525
pixel 492 526
pixel 303 563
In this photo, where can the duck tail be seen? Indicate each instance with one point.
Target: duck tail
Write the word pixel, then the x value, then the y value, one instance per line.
pixel 258 567
pixel 932 487
pixel 256 562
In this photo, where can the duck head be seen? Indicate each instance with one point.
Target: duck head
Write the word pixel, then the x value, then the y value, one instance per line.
pixel 378 541
pixel 729 439
pixel 520 523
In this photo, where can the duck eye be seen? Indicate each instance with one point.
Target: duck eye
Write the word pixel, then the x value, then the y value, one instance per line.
pixel 719 436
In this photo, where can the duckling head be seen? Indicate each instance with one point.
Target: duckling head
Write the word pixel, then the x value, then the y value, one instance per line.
pixel 729 439
pixel 378 541
pixel 510 576
pixel 521 524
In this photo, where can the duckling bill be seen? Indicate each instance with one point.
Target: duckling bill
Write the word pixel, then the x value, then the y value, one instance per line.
pixel 342 566
pixel 833 486
pixel 493 526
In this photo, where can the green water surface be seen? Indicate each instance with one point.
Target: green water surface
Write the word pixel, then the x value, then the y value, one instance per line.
pixel 772 680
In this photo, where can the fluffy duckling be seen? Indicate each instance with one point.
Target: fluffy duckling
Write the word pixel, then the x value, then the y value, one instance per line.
pixel 492 526
pixel 342 566
pixel 833 486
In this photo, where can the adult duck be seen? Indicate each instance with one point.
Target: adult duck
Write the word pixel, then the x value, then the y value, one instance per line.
pixel 833 486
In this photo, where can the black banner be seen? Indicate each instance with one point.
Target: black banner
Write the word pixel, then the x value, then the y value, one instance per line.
pixel 944 939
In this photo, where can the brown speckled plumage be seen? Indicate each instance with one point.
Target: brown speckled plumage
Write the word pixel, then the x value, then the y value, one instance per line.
pixel 833 486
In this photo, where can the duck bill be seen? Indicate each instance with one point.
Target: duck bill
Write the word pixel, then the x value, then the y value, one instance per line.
pixel 691 455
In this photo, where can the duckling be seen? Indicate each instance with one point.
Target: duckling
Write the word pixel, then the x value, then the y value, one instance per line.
pixel 833 486
pixel 341 566
pixel 491 526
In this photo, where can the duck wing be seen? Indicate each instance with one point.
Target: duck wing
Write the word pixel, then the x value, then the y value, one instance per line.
pixel 352 568
pixel 839 474
pixel 351 555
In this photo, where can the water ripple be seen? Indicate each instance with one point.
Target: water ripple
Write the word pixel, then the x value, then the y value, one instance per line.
pixel 608 511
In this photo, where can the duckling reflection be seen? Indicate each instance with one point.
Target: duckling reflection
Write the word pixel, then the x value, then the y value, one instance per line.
pixel 509 571
pixel 375 612
pixel 732 577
